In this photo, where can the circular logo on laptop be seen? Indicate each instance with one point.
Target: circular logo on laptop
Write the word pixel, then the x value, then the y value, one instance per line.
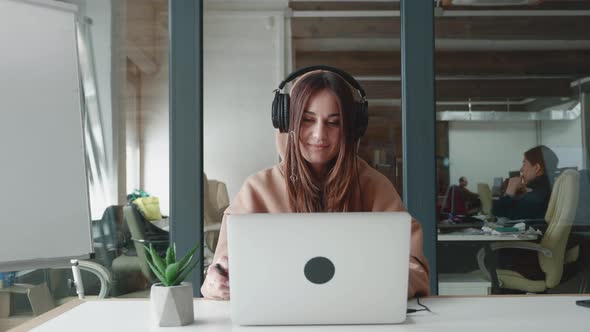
pixel 319 270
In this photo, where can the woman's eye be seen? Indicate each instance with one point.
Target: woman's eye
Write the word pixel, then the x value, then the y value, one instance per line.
pixel 334 123
pixel 307 120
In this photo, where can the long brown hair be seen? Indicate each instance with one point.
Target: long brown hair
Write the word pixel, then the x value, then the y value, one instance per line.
pixel 336 192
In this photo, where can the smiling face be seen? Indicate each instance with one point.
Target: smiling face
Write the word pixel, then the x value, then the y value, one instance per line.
pixel 320 132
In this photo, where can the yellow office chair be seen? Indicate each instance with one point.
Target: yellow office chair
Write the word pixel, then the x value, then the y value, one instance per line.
pixel 485 197
pixel 552 253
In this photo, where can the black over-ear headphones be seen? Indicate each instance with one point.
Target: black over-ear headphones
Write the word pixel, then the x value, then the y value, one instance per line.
pixel 281 102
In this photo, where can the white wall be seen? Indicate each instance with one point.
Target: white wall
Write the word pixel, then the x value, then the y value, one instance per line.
pixel 243 65
pixel 484 150
pixel 565 139
pixel 155 137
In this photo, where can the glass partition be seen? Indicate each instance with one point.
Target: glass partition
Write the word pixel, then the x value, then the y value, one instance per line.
pixel 123 58
pixel 512 154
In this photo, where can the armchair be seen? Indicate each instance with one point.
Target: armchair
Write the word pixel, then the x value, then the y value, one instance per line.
pixel 551 251
pixel 485 197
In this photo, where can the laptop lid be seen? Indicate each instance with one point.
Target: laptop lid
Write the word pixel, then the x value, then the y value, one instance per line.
pixel 319 268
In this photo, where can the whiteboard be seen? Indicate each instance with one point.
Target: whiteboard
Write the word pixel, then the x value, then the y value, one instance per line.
pixel 44 207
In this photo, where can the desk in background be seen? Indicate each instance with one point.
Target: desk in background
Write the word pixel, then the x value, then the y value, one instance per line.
pixel 453 314
pixel 467 284
pixel 163 224
pixel 466 237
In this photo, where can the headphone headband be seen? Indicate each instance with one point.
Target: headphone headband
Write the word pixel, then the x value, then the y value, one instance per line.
pixel 346 76
pixel 281 102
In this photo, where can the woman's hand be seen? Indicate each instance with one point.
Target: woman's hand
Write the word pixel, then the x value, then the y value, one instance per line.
pixel 515 185
pixel 216 285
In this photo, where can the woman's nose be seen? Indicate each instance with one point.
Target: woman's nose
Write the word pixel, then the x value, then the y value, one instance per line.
pixel 319 130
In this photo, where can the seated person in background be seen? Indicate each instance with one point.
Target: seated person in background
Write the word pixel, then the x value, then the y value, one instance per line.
pixel 320 172
pixel 472 202
pixel 527 196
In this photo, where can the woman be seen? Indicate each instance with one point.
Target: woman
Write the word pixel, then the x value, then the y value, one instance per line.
pixel 527 196
pixel 320 171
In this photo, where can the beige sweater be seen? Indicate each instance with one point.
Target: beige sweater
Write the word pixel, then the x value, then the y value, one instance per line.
pixel 266 192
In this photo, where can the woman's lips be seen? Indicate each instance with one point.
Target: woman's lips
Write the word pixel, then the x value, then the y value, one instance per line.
pixel 319 146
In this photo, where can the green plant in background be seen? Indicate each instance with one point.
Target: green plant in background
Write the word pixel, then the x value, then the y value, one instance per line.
pixel 167 269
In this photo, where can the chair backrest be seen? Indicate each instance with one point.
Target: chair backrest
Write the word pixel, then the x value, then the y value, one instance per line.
pixel 454 202
pixel 559 217
pixel 105 235
pixel 485 197
pixel 215 201
pixel 134 221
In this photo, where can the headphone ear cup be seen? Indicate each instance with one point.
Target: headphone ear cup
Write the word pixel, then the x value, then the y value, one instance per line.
pixel 286 101
pixel 275 113
pixel 280 112
pixel 361 119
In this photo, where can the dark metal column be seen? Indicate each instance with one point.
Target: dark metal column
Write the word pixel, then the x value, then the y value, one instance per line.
pixel 186 129
pixel 418 121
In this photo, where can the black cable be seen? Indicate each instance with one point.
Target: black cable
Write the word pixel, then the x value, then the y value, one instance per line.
pixel 423 306
pixel 411 311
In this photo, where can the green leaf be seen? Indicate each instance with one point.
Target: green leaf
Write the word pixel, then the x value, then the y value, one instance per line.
pixel 174 251
pixel 184 274
pixel 158 262
pixel 184 261
pixel 170 256
pixel 157 273
pixel 172 273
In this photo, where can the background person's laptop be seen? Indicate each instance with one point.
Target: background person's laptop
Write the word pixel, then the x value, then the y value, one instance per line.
pixel 319 268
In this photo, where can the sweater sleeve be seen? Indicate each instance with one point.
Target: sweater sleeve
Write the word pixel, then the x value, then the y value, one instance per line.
pixel 530 205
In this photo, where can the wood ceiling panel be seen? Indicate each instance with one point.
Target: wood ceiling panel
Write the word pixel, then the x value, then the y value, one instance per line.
pixel 459 63
pixel 344 5
pixel 492 28
pixel 379 5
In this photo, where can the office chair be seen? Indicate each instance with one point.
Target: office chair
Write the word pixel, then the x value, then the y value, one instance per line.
pixel 105 235
pixel 454 202
pixel 485 197
pixel 216 200
pixel 551 251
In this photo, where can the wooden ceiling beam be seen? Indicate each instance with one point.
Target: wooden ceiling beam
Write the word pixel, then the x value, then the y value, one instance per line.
pixel 344 5
pixel 489 28
pixel 379 5
pixel 570 63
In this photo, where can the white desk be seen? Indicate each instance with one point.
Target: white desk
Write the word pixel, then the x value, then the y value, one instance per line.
pixel 458 236
pixel 453 314
pixel 163 224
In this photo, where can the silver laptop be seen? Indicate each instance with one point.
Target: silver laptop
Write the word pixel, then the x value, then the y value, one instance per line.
pixel 319 268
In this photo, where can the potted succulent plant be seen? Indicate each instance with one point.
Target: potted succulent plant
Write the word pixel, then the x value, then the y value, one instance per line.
pixel 171 299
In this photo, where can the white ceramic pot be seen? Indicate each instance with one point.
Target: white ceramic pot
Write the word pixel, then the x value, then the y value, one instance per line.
pixel 172 306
